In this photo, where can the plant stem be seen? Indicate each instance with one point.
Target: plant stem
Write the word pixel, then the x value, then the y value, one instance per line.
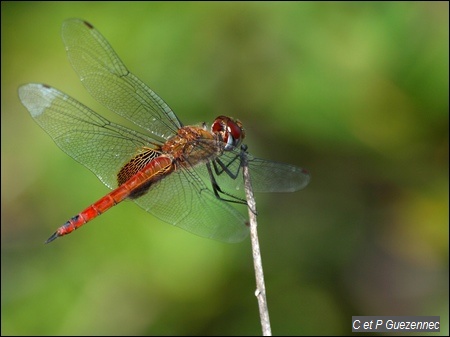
pixel 260 292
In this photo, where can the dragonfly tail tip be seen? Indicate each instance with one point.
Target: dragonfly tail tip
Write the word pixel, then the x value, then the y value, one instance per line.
pixel 54 236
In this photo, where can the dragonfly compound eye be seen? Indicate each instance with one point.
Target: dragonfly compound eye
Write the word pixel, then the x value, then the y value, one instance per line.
pixel 230 131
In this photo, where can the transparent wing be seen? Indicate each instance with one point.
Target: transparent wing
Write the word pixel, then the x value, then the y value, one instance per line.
pixel 109 81
pixel 103 147
pixel 270 176
pixel 266 176
pixel 182 199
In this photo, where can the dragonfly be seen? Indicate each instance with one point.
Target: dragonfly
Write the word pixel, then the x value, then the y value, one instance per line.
pixel 187 176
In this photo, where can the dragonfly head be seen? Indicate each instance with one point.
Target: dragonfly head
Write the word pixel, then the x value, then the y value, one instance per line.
pixel 230 131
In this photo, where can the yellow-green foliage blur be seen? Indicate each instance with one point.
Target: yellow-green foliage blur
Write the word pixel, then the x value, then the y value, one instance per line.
pixel 357 93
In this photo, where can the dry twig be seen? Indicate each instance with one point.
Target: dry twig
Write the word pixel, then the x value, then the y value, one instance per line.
pixel 260 292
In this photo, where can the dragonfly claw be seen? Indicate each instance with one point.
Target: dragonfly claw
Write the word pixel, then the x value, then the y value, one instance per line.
pixel 54 236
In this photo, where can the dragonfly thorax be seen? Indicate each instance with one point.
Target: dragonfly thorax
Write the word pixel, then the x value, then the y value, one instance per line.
pixel 193 145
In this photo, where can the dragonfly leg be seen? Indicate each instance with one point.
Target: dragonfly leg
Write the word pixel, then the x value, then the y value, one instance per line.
pixel 216 188
pixel 225 168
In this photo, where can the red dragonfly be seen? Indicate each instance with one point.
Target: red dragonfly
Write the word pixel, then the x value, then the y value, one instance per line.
pixel 184 175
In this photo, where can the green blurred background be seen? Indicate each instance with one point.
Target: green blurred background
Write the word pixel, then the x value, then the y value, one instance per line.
pixel 357 93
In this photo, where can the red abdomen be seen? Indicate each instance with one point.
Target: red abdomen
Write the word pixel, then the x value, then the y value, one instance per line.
pixel 134 187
